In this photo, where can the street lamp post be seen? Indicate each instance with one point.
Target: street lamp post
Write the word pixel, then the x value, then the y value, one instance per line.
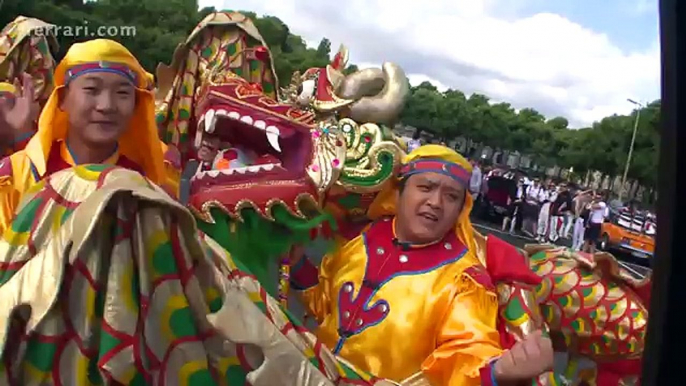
pixel 631 148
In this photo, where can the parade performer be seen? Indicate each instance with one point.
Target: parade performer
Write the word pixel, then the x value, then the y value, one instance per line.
pixel 409 297
pixel 18 113
pixel 100 111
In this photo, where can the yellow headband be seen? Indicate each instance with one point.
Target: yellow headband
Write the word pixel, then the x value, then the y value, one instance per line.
pixel 437 159
pixel 7 88
pixel 103 55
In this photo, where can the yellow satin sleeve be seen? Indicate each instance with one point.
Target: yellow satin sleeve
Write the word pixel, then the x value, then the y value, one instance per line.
pixel 317 299
pixel 9 199
pixel 172 175
pixel 172 181
pixel 467 339
pixel 13 187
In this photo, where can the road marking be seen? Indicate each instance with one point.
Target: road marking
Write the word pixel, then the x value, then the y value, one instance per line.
pixel 630 267
pixel 503 233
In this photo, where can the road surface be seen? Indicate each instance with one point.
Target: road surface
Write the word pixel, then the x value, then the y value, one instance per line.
pixel 638 271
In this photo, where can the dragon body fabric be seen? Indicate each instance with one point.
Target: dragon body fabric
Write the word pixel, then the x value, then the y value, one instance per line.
pixel 594 310
pixel 299 158
pixel 26 48
pixel 106 280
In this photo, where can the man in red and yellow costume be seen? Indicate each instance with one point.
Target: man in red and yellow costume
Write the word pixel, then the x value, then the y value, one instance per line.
pixel 100 112
pixel 408 298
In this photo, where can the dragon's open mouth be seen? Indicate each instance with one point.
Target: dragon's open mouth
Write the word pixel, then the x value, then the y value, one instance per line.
pixel 254 146
pixel 260 149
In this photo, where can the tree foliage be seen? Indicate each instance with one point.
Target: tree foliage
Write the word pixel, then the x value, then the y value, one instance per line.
pixel 162 24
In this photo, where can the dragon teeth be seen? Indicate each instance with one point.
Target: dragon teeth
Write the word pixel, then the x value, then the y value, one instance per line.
pixel 247 169
pixel 198 138
pixel 273 137
pixel 210 121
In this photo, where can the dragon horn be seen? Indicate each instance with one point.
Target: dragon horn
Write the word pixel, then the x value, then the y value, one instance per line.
pixel 340 60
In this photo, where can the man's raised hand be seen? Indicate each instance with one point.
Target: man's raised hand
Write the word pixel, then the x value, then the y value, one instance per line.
pixel 526 359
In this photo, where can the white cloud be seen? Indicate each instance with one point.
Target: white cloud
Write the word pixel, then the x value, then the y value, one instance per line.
pixel 544 61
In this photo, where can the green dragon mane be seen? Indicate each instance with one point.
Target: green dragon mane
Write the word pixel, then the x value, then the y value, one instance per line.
pixel 258 243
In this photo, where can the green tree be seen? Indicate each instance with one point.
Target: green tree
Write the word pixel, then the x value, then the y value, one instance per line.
pixel 162 24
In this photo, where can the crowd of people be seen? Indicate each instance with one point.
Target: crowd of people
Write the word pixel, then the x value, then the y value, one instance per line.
pixel 547 211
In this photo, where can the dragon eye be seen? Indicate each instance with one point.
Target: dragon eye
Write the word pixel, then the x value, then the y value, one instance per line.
pixel 306 89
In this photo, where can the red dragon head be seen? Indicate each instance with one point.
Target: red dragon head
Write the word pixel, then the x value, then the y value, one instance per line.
pixel 220 91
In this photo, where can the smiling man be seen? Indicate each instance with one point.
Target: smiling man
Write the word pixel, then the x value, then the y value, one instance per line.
pixel 409 297
pixel 100 112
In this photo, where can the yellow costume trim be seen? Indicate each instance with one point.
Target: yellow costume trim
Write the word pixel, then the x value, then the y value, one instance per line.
pixel 151 80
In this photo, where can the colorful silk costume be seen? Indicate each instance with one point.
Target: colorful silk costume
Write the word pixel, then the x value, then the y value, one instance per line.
pixel 139 147
pixel 397 310
pixel 122 289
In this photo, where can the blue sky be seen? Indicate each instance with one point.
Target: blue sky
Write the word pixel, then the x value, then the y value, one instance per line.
pixel 631 24
pixel 579 59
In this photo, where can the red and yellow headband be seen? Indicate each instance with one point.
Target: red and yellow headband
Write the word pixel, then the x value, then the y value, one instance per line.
pixel 434 165
pixel 114 68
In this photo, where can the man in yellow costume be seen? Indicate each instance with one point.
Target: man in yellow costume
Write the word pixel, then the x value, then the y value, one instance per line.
pixel 100 112
pixel 408 298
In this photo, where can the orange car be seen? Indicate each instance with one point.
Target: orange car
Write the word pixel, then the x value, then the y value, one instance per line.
pixel 625 233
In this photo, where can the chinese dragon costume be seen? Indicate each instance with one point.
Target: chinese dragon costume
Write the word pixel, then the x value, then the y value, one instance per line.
pixel 121 294
pixel 318 148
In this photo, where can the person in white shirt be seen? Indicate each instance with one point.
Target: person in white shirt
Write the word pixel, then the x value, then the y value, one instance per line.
pixel 476 180
pixel 545 198
pixel 415 142
pixel 595 223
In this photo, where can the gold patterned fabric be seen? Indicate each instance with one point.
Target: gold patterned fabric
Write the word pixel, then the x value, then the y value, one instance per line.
pixel 104 279
pixel 25 48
